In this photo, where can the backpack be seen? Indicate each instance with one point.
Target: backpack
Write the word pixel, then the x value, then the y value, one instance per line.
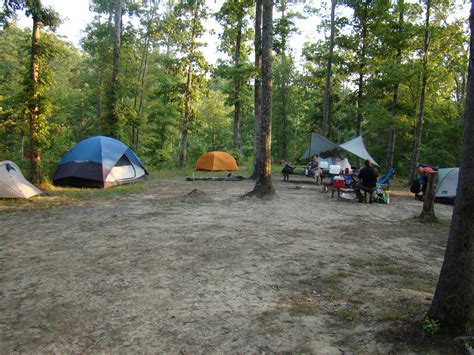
pixel 381 197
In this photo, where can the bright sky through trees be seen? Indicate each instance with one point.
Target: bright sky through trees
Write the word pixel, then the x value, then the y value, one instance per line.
pixel 76 16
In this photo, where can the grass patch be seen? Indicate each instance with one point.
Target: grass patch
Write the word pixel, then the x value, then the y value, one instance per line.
pixel 337 278
pixel 299 307
pixel 404 312
pixel 425 284
pixel 349 313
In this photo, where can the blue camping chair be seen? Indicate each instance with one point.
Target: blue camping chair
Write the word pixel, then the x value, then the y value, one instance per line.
pixel 385 180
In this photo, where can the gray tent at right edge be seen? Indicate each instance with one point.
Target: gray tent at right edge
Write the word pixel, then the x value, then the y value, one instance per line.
pixel 447 184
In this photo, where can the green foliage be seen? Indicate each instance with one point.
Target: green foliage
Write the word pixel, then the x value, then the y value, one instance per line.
pixel 158 49
pixel 429 326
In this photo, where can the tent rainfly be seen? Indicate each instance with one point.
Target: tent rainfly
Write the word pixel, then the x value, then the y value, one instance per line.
pixel 216 161
pixel 356 146
pixel 13 184
pixel 321 144
pixel 99 162
pixel 318 145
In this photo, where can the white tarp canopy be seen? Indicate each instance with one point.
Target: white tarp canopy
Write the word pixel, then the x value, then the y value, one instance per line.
pixel 13 184
pixel 447 182
pixel 356 146
pixel 318 145
pixel 321 144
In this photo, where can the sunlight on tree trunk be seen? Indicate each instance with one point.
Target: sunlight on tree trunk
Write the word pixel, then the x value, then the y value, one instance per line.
pixel 257 86
pixel 34 100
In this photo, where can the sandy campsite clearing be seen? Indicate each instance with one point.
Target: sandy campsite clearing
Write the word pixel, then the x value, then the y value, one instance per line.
pixel 162 270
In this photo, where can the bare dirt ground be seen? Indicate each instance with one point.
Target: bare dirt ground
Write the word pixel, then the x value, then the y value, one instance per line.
pixel 158 270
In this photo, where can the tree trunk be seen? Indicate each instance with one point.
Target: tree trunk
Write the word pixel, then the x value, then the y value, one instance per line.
pixel 237 86
pixel 112 122
pixel 428 213
pixel 360 82
pixel 187 118
pixel 284 90
pixel 453 302
pixel 258 85
pixel 327 85
pixel 396 87
pixel 391 146
pixel 424 79
pixel 263 186
pixel 183 145
pixel 34 109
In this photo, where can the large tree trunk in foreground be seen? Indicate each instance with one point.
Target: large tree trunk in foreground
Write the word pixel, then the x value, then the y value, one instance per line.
pixel 258 84
pixel 327 85
pixel 263 185
pixel 34 99
pixel 424 79
pixel 453 302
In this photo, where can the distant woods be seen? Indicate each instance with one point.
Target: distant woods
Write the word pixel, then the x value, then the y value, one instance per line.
pixel 394 72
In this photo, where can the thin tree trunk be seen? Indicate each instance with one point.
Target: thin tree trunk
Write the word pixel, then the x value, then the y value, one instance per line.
pixel 284 89
pixel 360 82
pixel 237 86
pixel 263 185
pixel 453 301
pixel 258 85
pixel 183 145
pixel 112 122
pixel 35 153
pixel 327 84
pixel 187 117
pixel 424 79
pixel 396 87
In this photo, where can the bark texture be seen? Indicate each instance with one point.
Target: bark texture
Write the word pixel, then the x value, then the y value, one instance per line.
pixel 424 80
pixel 34 109
pixel 258 84
pixel 263 186
pixel 327 85
pixel 113 115
pixel 453 302
pixel 428 212
pixel 237 87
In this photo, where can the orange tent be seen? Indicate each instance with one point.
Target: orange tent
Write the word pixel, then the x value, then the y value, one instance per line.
pixel 216 161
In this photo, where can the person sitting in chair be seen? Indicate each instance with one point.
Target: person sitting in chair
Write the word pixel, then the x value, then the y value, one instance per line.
pixel 367 181
pixel 313 169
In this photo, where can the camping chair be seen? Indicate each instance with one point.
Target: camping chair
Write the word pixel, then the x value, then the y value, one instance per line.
pixel 385 180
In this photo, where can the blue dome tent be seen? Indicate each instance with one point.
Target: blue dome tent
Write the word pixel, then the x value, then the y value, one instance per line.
pixel 99 162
